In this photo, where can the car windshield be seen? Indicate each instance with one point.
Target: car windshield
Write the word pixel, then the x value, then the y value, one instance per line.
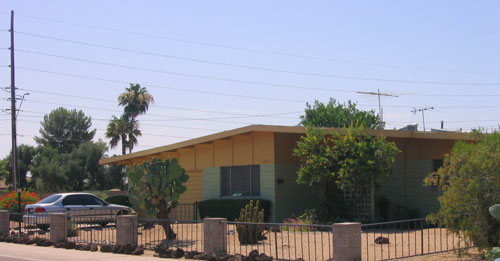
pixel 50 199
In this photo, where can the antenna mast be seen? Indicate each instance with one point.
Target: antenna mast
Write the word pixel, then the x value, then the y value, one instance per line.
pixel 422 110
pixel 378 93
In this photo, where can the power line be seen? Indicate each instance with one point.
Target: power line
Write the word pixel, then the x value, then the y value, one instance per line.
pixel 234 65
pixel 259 83
pixel 180 74
pixel 266 52
pixel 163 87
pixel 175 118
pixel 158 106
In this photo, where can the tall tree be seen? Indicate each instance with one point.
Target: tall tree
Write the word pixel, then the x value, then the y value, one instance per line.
pixel 117 132
pixel 65 129
pixel 74 171
pixel 124 130
pixel 135 100
pixel 337 115
pixel 26 155
pixel 352 161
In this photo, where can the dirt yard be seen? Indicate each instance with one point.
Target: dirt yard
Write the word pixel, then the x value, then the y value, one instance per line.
pixel 291 245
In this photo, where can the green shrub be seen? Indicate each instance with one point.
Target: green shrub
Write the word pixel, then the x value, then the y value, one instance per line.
pixel 229 208
pixel 119 200
pixel 250 234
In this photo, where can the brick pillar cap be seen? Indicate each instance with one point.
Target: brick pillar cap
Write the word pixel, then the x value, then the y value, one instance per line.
pixel 4 211
pixel 347 224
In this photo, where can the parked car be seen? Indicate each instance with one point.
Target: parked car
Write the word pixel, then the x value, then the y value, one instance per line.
pixel 80 207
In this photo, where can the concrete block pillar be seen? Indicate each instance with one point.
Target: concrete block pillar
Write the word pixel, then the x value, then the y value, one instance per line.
pixel 4 222
pixel 126 230
pixel 215 235
pixel 58 227
pixel 347 242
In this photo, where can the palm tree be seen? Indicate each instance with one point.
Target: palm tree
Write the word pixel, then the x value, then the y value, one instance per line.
pixel 132 132
pixel 117 131
pixel 135 100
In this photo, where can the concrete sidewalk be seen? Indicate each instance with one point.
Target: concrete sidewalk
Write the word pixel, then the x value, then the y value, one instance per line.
pixel 18 252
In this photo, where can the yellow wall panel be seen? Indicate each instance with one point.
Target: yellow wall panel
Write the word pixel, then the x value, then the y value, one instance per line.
pixel 284 144
pixel 187 158
pixel 169 154
pixel 194 190
pixel 263 148
pixel 223 153
pixel 242 150
pixel 204 156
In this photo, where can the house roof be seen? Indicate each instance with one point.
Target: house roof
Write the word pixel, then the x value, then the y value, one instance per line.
pixel 283 129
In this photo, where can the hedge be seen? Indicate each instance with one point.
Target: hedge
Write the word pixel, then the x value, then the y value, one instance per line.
pixel 119 200
pixel 229 208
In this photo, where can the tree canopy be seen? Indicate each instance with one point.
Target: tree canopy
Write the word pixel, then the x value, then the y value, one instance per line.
pixel 470 183
pixel 64 129
pixel 135 100
pixel 75 171
pixel 337 115
pixel 26 155
pixel 348 159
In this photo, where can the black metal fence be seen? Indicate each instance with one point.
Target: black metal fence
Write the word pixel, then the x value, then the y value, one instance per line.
pixel 186 212
pixel 32 226
pixel 408 238
pixel 185 234
pixel 281 240
pixel 92 226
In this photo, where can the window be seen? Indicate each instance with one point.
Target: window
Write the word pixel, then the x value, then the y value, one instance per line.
pixel 240 181
pixel 436 164
pixel 72 200
pixel 50 199
pixel 91 200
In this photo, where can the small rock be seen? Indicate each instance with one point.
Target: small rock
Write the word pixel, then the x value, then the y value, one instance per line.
pixel 263 257
pixel 382 240
pixel 116 249
pixel 40 241
pixel 47 243
pixel 253 254
pixel 106 248
pixel 70 245
pixel 190 254
pixel 138 251
pixel 178 253
pixel 128 249
pixel 93 247
pixel 236 258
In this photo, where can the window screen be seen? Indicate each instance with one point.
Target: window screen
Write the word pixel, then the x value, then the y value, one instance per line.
pixel 240 181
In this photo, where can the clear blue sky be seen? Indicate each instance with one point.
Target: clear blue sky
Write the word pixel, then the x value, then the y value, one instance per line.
pixel 423 41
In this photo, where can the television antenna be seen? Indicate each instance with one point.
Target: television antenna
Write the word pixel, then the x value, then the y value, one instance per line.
pixel 378 93
pixel 415 110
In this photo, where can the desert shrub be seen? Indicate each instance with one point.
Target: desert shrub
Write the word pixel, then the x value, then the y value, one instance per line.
pixel 119 200
pixel 470 183
pixel 250 233
pixel 229 208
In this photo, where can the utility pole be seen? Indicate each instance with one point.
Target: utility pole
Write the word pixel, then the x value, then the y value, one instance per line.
pixel 13 110
pixel 422 110
pixel 378 93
